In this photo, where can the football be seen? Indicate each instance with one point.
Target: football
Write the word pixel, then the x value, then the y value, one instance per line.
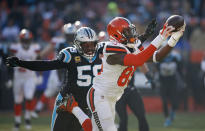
pixel 176 21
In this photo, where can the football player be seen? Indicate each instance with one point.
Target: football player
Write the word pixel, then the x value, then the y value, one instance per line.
pixel 119 65
pixel 131 97
pixel 171 83
pixel 24 79
pixel 82 64
pixel 55 77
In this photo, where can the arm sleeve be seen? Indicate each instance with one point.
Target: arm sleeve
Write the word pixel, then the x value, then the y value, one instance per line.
pixel 42 65
pixel 142 57
pixel 139 59
pixel 62 61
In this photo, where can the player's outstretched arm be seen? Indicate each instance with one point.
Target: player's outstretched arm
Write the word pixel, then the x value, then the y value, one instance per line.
pixel 161 53
pixel 38 65
pixel 140 58
pixel 62 61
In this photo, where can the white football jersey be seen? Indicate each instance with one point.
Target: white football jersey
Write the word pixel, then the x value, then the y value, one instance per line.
pixel 23 54
pixel 114 78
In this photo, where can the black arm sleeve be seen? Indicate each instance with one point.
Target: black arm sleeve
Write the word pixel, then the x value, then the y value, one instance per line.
pixel 42 65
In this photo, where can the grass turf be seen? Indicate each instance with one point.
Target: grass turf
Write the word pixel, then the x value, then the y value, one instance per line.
pixel 183 122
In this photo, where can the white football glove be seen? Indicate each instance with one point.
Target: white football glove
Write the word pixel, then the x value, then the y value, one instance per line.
pixel 163 35
pixel 176 36
pixel 166 31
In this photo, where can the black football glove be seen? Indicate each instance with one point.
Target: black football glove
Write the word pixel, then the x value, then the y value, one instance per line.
pixel 150 29
pixel 66 104
pixel 12 61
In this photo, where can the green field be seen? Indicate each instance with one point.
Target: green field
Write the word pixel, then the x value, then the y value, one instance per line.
pixel 183 122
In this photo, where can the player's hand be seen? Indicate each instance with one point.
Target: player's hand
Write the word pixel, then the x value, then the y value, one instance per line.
pixel 166 31
pixel 12 61
pixel 176 36
pixel 67 104
pixel 150 29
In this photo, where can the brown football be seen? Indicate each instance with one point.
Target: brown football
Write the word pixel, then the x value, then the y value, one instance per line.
pixel 176 21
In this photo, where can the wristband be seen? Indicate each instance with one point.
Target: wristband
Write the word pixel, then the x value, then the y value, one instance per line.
pixel 157 42
pixel 172 42
pixel 154 57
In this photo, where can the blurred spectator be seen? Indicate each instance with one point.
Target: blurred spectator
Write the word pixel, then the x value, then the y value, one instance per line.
pixel 192 22
pixel 44 17
pixel 73 12
pixel 197 37
pixel 10 32
pixel 3 13
pixel 112 11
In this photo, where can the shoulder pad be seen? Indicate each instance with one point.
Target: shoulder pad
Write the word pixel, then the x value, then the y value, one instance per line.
pixel 65 56
pixel 113 47
pixel 71 49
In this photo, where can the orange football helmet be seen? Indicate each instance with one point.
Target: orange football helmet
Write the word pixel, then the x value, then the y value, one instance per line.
pixel 122 30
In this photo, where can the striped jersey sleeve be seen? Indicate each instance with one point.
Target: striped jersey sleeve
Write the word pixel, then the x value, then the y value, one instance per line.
pixel 64 56
pixel 115 49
